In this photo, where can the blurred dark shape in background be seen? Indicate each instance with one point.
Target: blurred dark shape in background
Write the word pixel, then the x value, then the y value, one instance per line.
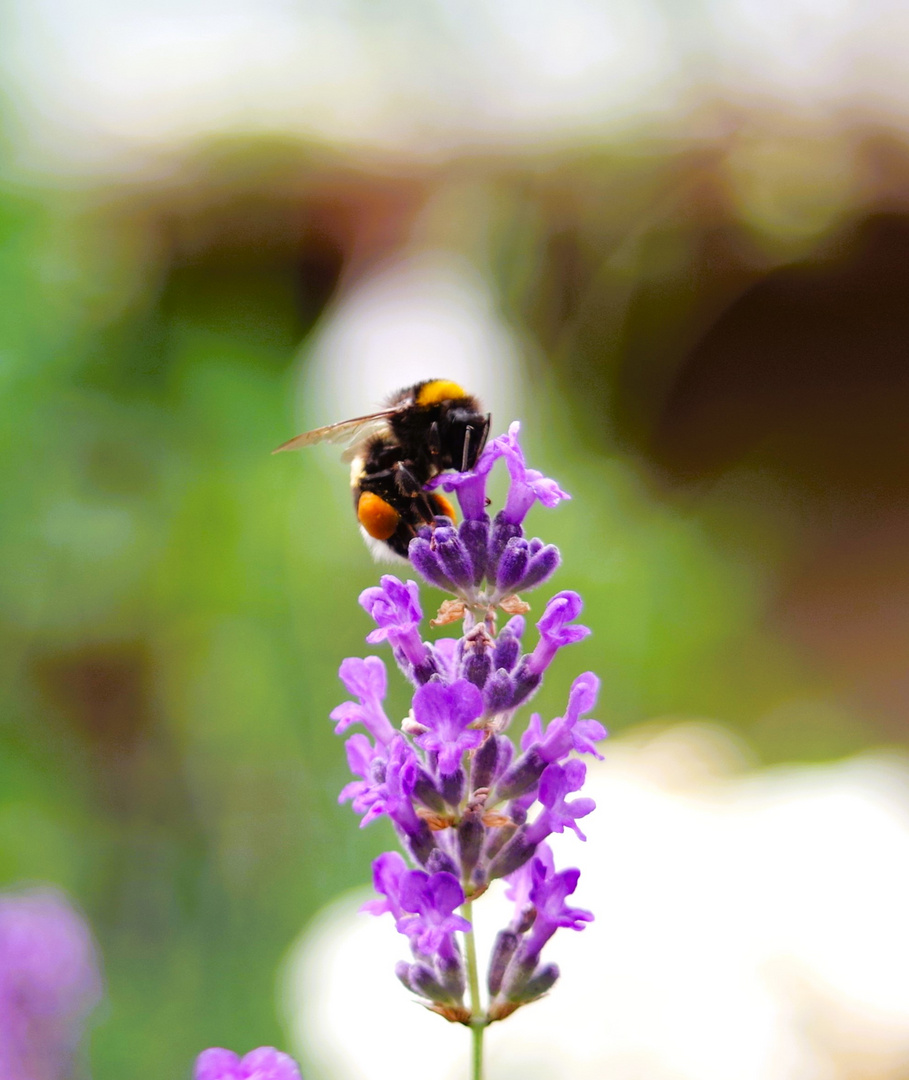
pixel 805 377
pixel 714 332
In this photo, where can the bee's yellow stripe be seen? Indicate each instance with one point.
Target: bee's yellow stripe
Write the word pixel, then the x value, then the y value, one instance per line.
pixel 439 390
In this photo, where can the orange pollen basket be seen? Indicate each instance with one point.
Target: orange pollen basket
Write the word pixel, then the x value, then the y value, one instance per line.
pixel 443 506
pixel 378 518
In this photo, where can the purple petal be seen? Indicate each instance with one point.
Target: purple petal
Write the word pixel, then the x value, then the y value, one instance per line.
pixel 442 707
pixel 49 981
pixel 267 1063
pixel 446 654
pixel 360 754
pixel 527 485
pixel 364 678
pixel 218 1064
pixel 367 680
pixel 471 485
pixel 560 610
pixel 548 896
pixel 556 783
pixel 394 605
pixel 446 711
pixel 555 631
pixel 521 882
pixel 534 733
pixel 444 894
pixel 388 872
pixel 570 732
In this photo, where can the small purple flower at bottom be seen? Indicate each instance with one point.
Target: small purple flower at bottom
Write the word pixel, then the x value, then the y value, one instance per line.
pixel 49 983
pixel 266 1063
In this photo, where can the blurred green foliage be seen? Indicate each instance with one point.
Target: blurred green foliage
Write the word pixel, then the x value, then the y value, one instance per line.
pixel 174 602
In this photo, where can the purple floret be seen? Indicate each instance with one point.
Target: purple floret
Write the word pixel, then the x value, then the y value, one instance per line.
pixel 555 631
pixel 446 711
pixel 548 894
pixel 395 606
pixel 368 794
pixel 521 882
pixel 457 559
pixel 527 485
pixel 568 732
pixel 367 680
pixel 388 872
pixel 471 485
pixel 556 784
pixel 431 899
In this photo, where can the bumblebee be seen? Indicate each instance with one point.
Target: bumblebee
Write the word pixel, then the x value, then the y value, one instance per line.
pixel 393 453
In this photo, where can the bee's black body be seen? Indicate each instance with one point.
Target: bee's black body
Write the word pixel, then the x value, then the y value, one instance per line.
pixel 428 431
pixel 423 430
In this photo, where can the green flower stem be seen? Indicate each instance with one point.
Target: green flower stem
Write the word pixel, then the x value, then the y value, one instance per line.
pixel 476 1031
pixel 477 1018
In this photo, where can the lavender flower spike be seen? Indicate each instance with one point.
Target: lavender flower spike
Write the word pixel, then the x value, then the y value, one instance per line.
pixel 466 807
pixel 266 1063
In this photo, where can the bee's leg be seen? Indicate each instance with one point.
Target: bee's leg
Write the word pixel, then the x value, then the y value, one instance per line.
pixel 405 481
pixel 434 440
pixel 409 485
pixel 383 474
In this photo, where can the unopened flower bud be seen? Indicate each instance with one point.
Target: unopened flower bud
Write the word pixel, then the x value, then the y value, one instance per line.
pixel 451 975
pixel 426 792
pixel 524 990
pixel 440 861
pixel 424 982
pixel 522 776
pixel 502 951
pixel 471 834
pixel 483 768
pixel 513 855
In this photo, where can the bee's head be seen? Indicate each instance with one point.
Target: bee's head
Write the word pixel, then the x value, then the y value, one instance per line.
pixel 465 437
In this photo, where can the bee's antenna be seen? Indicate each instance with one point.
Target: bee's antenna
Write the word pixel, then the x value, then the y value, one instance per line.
pixel 468 431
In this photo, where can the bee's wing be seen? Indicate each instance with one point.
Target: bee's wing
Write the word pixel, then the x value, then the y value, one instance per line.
pixel 344 432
